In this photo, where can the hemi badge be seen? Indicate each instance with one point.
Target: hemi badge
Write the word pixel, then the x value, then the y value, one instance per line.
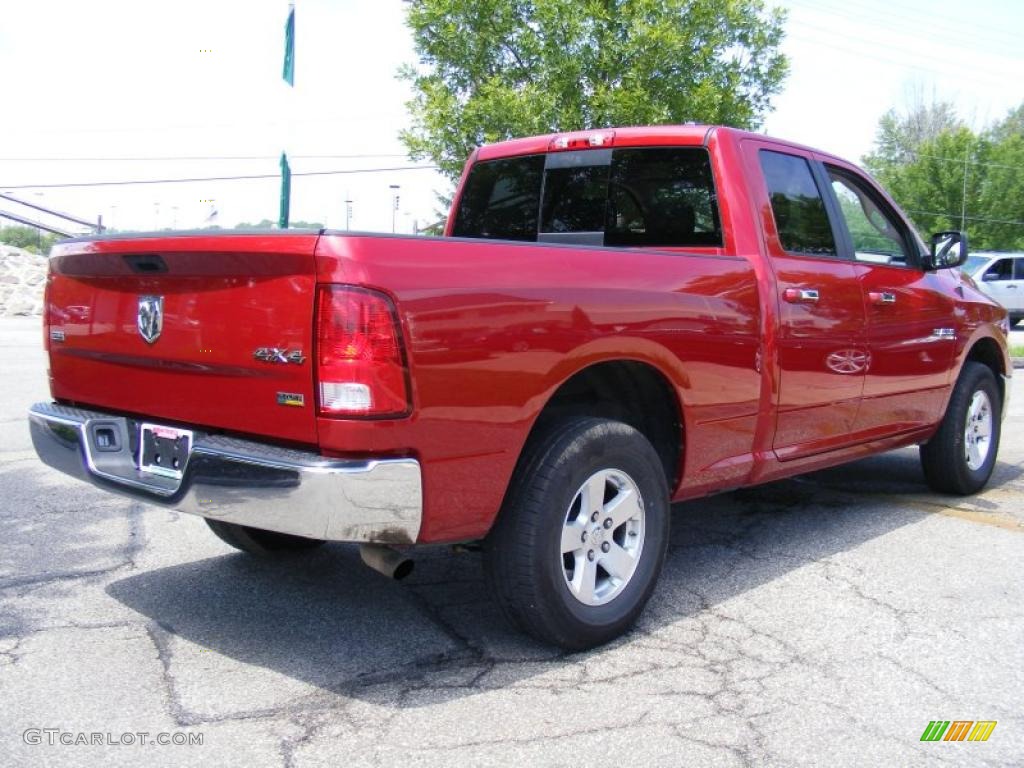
pixel 944 333
pixel 56 335
pixel 291 398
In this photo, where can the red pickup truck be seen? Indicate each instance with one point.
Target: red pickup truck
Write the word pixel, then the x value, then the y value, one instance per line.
pixel 614 320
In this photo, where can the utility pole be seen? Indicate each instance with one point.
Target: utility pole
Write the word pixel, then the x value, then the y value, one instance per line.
pixel 348 213
pixel 963 204
pixel 394 204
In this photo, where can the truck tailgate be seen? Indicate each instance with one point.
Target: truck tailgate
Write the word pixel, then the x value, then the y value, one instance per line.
pixel 169 327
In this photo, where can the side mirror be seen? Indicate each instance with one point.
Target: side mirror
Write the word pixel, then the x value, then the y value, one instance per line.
pixel 949 249
pixel 990 277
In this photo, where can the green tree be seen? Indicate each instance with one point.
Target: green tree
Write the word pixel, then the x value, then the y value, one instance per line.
pixel 268 224
pixel 900 135
pixel 495 69
pixel 1002 189
pixel 28 238
pixel 946 176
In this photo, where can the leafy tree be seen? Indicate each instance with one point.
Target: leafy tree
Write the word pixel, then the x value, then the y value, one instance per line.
pixel 268 224
pixel 495 69
pixel 28 238
pixel 1002 190
pixel 945 175
pixel 900 136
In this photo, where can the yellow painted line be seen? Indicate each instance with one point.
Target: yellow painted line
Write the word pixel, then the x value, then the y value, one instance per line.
pixel 994 519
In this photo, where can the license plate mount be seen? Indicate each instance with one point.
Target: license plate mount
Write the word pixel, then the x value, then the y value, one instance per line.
pixel 164 450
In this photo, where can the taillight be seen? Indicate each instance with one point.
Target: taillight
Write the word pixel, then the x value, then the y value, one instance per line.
pixel 360 363
pixel 46 311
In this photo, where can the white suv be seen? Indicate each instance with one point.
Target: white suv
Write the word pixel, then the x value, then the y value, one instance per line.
pixel 1001 276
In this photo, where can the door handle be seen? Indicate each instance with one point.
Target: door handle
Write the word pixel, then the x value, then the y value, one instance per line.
pixel 801 295
pixel 882 297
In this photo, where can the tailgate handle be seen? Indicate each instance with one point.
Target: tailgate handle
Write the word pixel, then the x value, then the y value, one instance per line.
pixel 147 264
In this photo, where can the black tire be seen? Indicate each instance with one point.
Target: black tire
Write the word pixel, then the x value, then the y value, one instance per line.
pixel 944 457
pixel 256 541
pixel 525 567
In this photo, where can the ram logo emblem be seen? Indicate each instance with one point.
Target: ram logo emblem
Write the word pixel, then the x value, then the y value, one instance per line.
pixel 151 317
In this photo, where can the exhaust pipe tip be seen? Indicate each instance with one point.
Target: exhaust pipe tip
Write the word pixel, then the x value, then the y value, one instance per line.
pixel 387 561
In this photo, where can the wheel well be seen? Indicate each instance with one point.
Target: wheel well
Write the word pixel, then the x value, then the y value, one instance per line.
pixel 627 391
pixel 987 352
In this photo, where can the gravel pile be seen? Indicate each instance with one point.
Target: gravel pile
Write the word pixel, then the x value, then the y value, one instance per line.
pixel 22 275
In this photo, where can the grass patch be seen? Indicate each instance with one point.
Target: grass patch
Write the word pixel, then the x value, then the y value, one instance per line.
pixel 1017 350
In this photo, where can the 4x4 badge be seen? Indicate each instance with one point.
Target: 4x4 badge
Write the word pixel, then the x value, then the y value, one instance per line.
pixel 275 355
pixel 151 317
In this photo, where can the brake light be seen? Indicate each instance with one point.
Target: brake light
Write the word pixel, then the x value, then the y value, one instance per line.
pixel 46 311
pixel 360 363
pixel 582 141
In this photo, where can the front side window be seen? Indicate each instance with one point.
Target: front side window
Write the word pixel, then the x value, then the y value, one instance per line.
pixel 875 233
pixel 973 264
pixel 797 206
pixel 1001 270
pixel 501 199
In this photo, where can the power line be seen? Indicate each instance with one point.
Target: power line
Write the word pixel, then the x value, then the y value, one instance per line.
pixel 969 218
pixel 192 158
pixel 926 22
pixel 959 161
pixel 218 178
pixel 907 58
pixel 32 223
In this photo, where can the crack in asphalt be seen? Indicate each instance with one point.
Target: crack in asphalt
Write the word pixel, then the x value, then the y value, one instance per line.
pixel 695 661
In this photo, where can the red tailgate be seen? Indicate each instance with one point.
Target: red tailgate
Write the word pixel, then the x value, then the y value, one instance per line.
pixel 220 299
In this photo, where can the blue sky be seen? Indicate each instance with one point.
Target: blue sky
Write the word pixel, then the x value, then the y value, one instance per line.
pixel 87 82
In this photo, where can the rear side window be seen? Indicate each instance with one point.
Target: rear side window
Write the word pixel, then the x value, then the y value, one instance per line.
pixel 797 205
pixel 662 197
pixel 501 199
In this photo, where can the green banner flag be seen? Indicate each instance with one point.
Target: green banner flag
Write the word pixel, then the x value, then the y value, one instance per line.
pixel 286 192
pixel 289 48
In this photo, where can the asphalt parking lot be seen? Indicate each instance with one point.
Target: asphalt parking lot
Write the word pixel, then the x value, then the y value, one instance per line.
pixel 822 621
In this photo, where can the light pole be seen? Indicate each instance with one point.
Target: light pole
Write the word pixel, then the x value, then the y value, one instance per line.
pixel 348 214
pixel 394 204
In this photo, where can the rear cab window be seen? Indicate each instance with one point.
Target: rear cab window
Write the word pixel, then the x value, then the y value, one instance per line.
pixel 501 199
pixel 640 197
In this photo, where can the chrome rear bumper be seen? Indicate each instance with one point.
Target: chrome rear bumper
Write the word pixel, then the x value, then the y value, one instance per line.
pixel 241 481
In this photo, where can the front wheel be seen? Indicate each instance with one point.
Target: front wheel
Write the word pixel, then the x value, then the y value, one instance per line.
pixel 961 455
pixel 580 542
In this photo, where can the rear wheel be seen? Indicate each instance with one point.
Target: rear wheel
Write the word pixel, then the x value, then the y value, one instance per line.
pixel 256 541
pixel 960 457
pixel 579 545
